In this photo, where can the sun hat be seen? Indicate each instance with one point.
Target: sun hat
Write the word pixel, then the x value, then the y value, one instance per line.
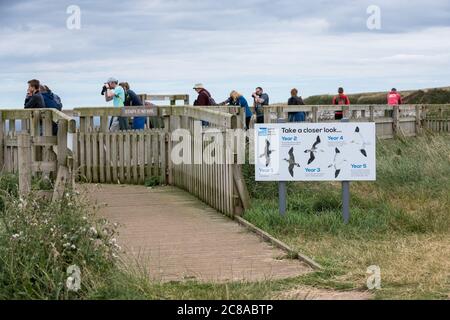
pixel 199 86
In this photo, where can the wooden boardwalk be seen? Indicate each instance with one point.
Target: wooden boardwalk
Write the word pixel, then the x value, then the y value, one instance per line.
pixel 178 237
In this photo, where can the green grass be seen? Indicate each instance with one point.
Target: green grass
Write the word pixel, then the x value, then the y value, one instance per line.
pixel 430 96
pixel 401 222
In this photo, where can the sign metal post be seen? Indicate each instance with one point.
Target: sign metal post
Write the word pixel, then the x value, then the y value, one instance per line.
pixel 345 194
pixel 282 202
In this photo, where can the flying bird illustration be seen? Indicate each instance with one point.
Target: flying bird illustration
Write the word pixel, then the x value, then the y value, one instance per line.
pixel 291 161
pixel 313 150
pixel 267 153
pixel 361 142
pixel 338 163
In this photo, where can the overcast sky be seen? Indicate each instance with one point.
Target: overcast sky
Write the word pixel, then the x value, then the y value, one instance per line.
pixel 165 46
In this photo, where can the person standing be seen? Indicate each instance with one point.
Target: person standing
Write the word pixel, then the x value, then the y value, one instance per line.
pixel 260 99
pixel 341 99
pixel 394 98
pixel 116 93
pixel 238 99
pixel 295 100
pixel 132 99
pixel 204 98
pixel 34 99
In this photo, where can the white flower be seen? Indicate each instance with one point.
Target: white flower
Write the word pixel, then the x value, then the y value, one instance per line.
pixel 73 247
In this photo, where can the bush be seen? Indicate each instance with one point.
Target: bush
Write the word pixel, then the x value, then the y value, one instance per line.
pixel 39 241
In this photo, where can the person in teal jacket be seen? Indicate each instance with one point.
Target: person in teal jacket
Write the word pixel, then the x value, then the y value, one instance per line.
pixel 239 100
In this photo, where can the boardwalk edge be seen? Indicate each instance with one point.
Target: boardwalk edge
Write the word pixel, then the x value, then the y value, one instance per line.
pixel 281 245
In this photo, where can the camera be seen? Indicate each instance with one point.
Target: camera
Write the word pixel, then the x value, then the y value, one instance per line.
pixel 104 89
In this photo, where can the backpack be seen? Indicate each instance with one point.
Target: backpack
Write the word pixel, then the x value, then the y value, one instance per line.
pixel 212 102
pixel 58 102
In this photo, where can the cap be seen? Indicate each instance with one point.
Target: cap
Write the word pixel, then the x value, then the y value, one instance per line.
pixel 199 86
pixel 112 79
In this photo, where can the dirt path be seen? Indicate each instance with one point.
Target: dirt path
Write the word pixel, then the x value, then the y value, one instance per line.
pixel 179 237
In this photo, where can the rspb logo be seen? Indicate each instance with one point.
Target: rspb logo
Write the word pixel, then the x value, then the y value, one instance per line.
pixel 263 132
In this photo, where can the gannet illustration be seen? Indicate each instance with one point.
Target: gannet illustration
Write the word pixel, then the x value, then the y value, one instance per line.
pixel 267 153
pixel 313 150
pixel 291 161
pixel 337 162
pixel 361 142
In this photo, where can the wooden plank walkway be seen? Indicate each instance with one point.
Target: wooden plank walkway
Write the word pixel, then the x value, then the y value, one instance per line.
pixel 178 237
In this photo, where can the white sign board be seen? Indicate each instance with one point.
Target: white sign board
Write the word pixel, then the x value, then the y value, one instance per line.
pixel 315 152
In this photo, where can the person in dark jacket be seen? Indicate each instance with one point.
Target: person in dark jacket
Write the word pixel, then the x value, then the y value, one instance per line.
pixel 260 99
pixel 34 99
pixel 51 103
pixel 295 100
pixel 132 99
pixel 204 97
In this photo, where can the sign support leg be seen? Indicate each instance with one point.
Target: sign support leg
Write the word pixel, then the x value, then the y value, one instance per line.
pixel 345 191
pixel 346 201
pixel 282 197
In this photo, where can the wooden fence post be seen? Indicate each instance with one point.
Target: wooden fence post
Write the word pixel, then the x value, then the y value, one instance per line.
pixel 371 113
pixel 419 123
pixel 62 143
pixel 315 114
pixel 396 120
pixel 24 155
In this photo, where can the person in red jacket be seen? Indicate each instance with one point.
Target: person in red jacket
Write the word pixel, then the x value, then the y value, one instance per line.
pixel 394 98
pixel 340 99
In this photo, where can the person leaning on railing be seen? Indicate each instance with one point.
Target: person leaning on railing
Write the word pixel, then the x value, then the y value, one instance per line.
pixel 393 99
pixel 116 93
pixel 260 99
pixel 295 100
pixel 239 100
pixel 34 99
pixel 341 99
pixel 132 99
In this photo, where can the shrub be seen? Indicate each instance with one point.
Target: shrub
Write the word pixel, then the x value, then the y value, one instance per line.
pixel 40 240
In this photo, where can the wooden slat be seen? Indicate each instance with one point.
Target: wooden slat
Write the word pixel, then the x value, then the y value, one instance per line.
pixel 101 157
pixel 141 152
pixel 134 157
pixel 88 141
pixel 121 157
pixel 127 153
pixel 114 157
pixel 82 152
pixel 108 157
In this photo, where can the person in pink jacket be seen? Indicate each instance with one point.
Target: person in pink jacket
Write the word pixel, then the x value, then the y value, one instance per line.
pixel 394 98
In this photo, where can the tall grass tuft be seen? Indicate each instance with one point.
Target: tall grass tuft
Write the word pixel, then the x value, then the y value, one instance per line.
pixel 39 240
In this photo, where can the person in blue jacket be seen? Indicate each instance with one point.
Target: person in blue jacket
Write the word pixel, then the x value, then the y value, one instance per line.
pixel 132 99
pixel 296 100
pixel 239 100
pixel 50 101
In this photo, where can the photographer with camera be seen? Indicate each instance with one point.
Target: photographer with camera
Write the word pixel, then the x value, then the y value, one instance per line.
pixel 112 91
pixel 261 99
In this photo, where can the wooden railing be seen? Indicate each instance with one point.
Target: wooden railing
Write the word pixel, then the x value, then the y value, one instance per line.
pixel 136 156
pixel 127 157
pixel 405 120
pixel 30 146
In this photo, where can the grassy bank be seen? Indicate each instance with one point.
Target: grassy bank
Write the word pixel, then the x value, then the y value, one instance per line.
pixel 400 223
pixel 426 96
